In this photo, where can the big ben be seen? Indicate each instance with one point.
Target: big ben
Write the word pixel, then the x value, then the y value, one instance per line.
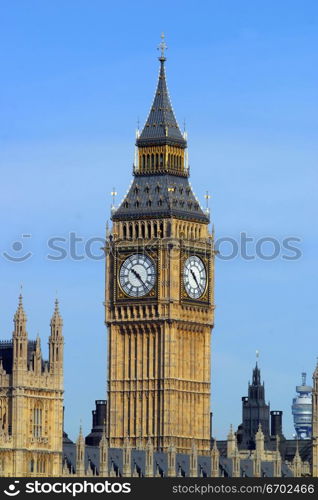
pixel 159 301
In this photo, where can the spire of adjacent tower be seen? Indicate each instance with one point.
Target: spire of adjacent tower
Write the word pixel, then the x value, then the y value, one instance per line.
pixel 256 375
pixel 56 342
pixel 20 319
pixel 56 320
pixel 20 341
pixel 80 454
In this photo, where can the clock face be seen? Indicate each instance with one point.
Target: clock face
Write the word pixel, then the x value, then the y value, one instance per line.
pixel 137 275
pixel 194 277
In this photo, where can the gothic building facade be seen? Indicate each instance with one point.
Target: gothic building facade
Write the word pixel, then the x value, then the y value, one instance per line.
pixel 31 401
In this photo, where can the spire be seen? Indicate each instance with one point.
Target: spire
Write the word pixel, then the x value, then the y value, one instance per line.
pixel 103 453
pixel 56 343
pixel 56 321
pixel 215 460
pixel 161 126
pixel 231 442
pixel 37 356
pixel 80 454
pixel 38 342
pixel 256 375
pixel 20 318
pixel 56 318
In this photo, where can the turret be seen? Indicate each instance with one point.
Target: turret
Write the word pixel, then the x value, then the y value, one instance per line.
pixel 103 454
pixel 172 460
pixel 194 460
pixel 231 443
pixel 149 458
pixel 259 439
pixel 37 357
pixel 259 452
pixel 56 342
pixel 277 459
pixel 215 460
pixel 127 458
pixel 236 462
pixel 20 338
pixel 80 454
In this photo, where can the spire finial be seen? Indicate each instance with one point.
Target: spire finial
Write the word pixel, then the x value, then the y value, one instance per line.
pixel 257 355
pixel 162 47
pixel 21 296
pixel 207 197
pixel 113 195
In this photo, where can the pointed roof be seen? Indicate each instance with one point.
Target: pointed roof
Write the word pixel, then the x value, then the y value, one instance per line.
pixel 80 439
pixel 155 196
pixel 256 375
pixel 161 126
pixel 20 314
pixel 56 317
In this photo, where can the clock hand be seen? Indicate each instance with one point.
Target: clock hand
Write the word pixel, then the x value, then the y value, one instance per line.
pixel 138 276
pixel 195 278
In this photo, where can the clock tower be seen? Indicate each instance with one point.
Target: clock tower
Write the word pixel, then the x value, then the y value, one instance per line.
pixel 159 295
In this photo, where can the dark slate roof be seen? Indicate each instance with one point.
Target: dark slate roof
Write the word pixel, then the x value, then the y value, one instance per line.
pixel 149 197
pixel 6 353
pixel 290 445
pixel 267 469
pixel 161 126
pixel 115 462
pixel 246 466
pixel 286 471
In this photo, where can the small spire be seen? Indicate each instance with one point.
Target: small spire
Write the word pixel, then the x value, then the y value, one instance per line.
pixel 56 317
pixel 162 47
pixel 207 197
pixel 56 308
pixel 113 195
pixel 20 316
pixel 38 342
pixel 80 438
pixel 231 434
pixel 256 375
pixel 149 444
pixel 259 433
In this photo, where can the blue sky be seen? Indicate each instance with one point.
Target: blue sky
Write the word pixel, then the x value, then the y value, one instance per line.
pixel 75 78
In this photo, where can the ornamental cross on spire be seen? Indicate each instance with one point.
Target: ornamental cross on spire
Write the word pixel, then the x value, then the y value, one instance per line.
pixel 162 47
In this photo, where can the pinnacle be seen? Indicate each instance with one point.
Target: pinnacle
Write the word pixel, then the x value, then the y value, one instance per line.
pixel 20 315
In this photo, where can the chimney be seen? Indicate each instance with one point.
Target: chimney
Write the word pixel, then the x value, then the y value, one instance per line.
pixel 276 423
